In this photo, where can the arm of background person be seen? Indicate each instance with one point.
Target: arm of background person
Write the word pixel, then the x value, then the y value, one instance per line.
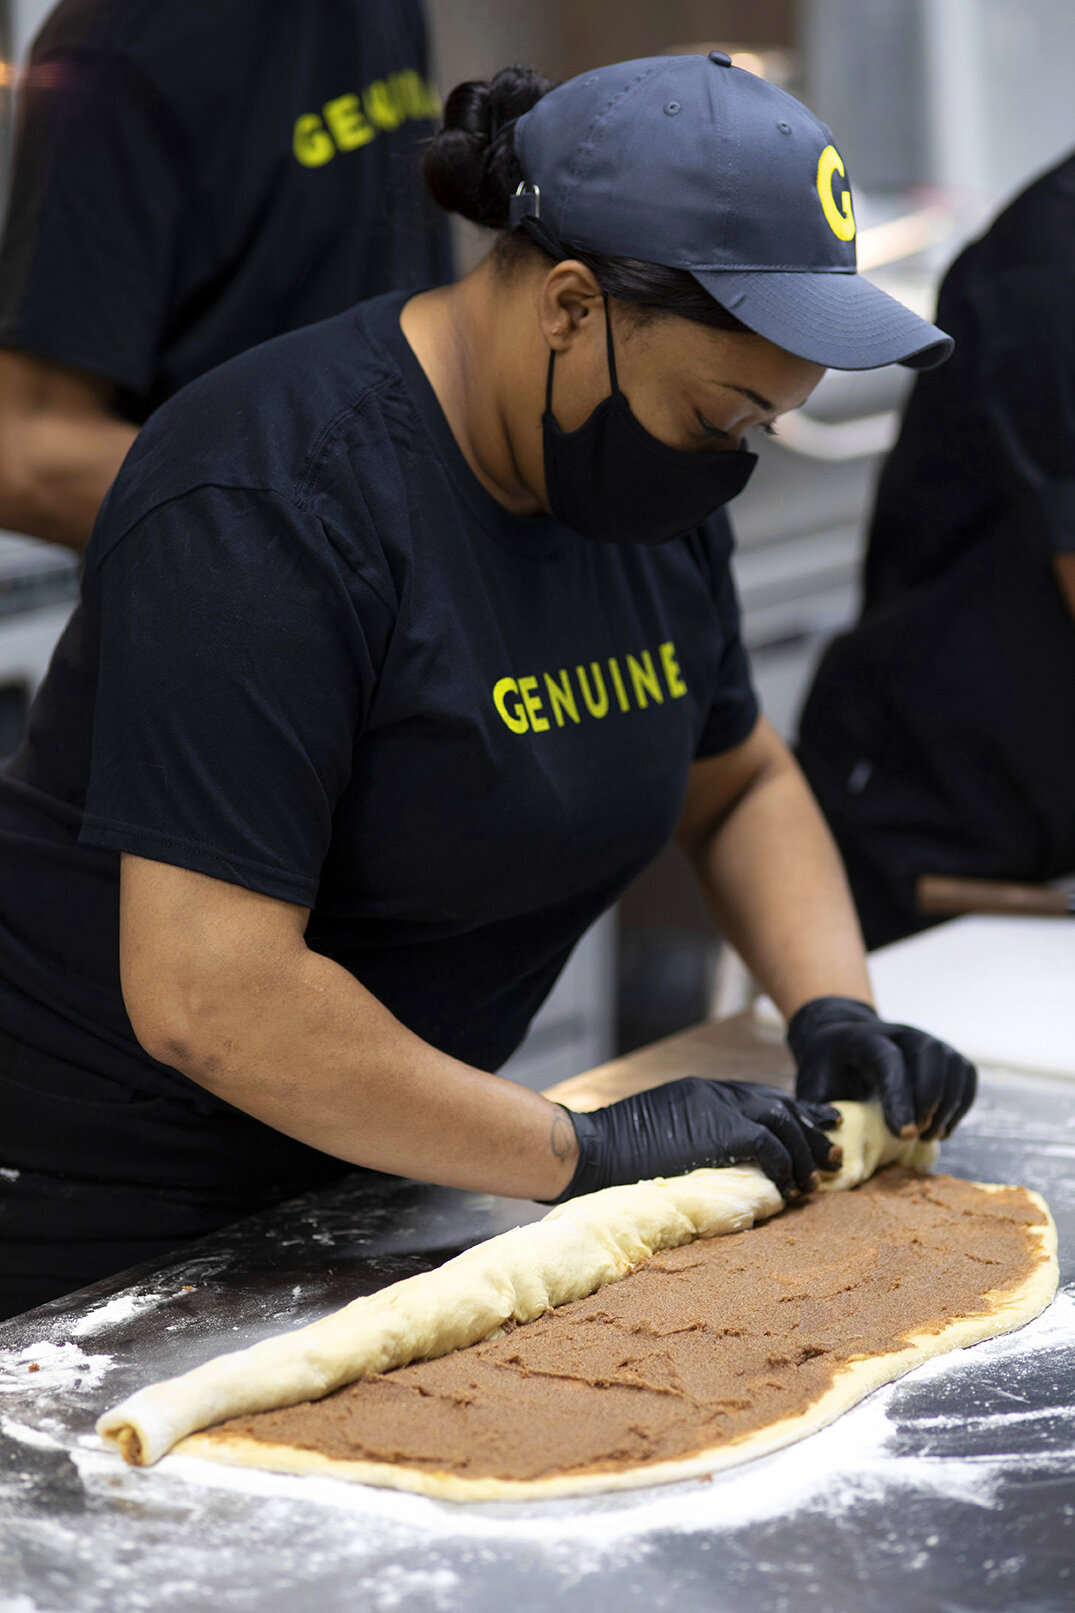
pixel 219 984
pixel 60 448
pixel 99 192
pixel 770 873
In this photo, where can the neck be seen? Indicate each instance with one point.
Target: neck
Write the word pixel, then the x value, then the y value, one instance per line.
pixel 462 335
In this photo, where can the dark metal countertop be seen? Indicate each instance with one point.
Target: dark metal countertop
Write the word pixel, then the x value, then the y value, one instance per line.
pixel 953 1490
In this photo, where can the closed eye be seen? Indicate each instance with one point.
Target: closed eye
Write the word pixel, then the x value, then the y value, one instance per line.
pixel 710 429
pixel 725 436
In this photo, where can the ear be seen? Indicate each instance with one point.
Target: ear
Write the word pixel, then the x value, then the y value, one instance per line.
pixel 567 298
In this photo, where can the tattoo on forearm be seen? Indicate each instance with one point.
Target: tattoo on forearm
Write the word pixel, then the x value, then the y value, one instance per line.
pixel 561 1136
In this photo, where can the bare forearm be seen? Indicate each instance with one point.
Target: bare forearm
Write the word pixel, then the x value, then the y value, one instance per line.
pixel 54 474
pixel 773 881
pixel 315 1055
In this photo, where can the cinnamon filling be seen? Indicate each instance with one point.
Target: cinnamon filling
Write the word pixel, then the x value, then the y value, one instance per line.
pixel 696 1348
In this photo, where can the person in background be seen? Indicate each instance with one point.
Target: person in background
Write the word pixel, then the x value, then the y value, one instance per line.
pixel 191 180
pixel 939 734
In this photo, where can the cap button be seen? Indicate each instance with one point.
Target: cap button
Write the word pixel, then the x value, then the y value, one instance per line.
pixel 719 58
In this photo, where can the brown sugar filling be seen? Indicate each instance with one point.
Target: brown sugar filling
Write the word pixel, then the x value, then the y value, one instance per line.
pixel 696 1348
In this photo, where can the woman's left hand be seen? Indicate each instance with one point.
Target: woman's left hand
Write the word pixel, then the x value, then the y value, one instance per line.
pixel 844 1050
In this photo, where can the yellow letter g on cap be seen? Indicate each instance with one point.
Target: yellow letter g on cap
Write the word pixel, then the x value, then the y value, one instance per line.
pixel 840 218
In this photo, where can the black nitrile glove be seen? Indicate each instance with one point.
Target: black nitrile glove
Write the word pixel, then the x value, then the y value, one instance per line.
pixel 844 1050
pixel 678 1127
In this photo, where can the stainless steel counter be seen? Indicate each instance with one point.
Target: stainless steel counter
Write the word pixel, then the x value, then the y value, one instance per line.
pixel 953 1490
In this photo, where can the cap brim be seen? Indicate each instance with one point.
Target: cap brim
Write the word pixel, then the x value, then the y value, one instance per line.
pixel 840 320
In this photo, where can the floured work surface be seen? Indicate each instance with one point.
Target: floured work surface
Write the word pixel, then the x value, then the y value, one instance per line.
pixel 707 1355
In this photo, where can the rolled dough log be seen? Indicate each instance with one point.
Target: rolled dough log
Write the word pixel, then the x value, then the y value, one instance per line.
pixel 574 1250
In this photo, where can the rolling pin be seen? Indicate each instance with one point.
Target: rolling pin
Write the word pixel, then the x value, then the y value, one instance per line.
pixel 939 895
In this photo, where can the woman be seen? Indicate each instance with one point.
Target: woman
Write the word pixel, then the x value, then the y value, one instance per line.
pixel 405 642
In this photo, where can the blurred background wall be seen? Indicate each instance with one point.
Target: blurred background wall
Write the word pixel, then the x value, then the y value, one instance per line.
pixel 971 94
pixel 942 109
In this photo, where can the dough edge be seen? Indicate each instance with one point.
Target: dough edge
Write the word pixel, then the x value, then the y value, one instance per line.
pixel 1010 1309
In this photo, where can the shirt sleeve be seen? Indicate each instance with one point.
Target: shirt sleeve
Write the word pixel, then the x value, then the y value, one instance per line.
pixel 1026 323
pixel 1056 505
pixel 733 709
pixel 235 674
pixel 98 193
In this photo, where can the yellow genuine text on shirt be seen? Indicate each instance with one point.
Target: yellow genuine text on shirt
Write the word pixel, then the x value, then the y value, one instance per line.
pixel 354 119
pixel 537 702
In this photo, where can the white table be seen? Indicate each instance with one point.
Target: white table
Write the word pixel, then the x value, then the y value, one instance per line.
pixel 1002 990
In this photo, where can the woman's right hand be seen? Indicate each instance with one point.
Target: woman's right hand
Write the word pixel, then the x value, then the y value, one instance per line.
pixel 686 1124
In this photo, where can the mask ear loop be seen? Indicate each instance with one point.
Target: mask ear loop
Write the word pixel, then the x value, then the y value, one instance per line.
pixel 548 383
pixel 609 350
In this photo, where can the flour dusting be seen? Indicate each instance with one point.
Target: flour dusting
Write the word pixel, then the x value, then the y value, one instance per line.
pixel 113 1311
pixel 35 1437
pixel 55 1368
pixel 856 1459
pixel 396 1587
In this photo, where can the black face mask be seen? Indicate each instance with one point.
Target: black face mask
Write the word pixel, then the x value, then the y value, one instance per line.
pixel 612 479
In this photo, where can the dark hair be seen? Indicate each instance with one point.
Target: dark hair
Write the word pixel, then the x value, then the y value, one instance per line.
pixel 470 167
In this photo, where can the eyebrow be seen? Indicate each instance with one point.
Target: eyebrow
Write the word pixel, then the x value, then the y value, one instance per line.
pixel 748 392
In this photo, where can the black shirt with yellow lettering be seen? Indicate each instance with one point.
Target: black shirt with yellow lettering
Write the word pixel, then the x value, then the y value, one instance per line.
pixel 452 734
pixel 192 179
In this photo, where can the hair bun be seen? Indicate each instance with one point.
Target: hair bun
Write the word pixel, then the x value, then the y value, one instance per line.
pixel 470 165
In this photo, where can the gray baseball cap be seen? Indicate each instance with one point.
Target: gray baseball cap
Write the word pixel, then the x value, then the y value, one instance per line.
pixel 690 162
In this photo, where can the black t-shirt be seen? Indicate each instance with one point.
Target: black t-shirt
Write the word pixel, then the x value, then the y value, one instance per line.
pixel 992 431
pixel 939 735
pixel 313 657
pixel 193 178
